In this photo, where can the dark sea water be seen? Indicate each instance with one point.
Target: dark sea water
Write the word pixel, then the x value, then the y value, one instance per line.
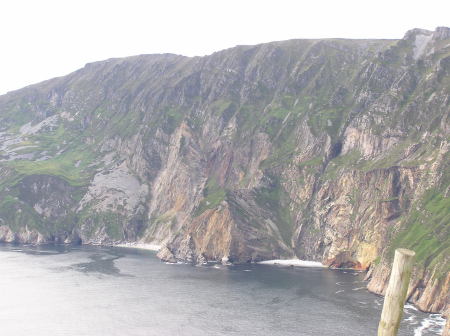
pixel 52 291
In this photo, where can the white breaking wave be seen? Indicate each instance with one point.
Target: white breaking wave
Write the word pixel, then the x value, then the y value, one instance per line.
pixel 435 323
pixel 359 288
pixel 410 306
pixel 292 262
pixel 412 319
pixel 142 246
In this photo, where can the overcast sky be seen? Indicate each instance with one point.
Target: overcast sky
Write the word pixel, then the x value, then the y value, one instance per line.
pixel 42 39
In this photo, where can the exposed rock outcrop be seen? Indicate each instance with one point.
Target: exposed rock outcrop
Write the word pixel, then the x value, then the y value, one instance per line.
pixel 329 150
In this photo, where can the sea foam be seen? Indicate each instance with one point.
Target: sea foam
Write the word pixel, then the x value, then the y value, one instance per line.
pixel 142 246
pixel 434 323
pixel 292 262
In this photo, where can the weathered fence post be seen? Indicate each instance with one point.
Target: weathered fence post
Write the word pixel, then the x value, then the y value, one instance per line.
pixel 396 292
pixel 446 331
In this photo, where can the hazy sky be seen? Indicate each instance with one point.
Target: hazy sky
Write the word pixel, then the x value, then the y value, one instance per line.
pixel 42 39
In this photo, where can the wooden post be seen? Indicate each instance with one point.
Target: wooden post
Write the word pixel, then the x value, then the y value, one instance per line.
pixel 446 331
pixel 396 293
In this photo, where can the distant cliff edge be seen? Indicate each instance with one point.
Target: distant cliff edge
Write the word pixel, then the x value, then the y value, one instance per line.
pixel 329 150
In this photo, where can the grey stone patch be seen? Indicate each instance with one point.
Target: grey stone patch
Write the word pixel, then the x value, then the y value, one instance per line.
pixel 420 44
pixel 114 189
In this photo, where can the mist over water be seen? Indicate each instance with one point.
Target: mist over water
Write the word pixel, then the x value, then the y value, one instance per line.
pixel 61 290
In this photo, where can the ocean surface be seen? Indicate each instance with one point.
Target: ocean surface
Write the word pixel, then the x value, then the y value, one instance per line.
pixel 96 291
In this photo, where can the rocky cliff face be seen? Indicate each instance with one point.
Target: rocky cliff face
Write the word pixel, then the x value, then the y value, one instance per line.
pixel 329 150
